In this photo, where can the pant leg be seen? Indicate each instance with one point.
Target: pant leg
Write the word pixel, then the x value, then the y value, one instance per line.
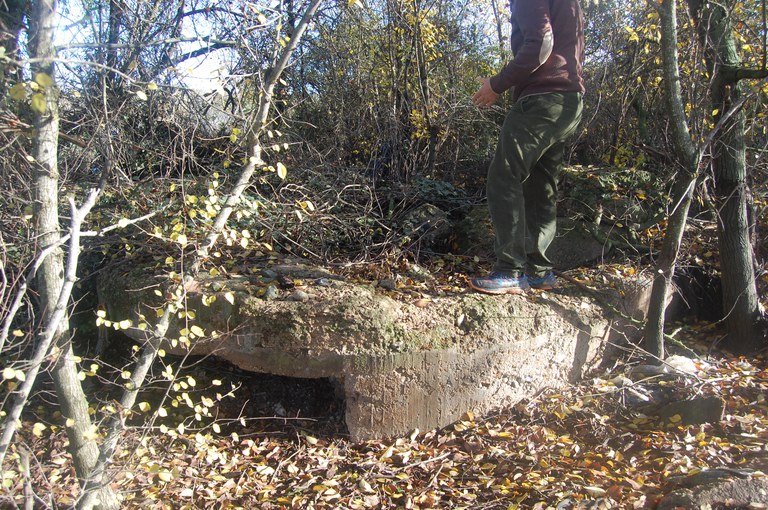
pixel 540 192
pixel 531 128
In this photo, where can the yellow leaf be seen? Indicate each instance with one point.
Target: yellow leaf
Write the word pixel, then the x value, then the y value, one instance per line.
pixel 17 333
pixel 676 418
pixel 182 240
pixel 127 323
pixel 92 434
pixel 43 79
pixel 152 86
pixel 230 297
pixel 197 331
pixel 282 171
pixel 141 95
pixel 9 373
pixel 37 429
pixel 144 406
pixel 165 476
pixel 38 103
pixel 18 92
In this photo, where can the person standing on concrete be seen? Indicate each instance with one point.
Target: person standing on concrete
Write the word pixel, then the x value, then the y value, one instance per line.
pixel 547 86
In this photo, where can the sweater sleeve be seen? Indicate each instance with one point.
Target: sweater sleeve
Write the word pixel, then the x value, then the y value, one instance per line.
pixel 534 25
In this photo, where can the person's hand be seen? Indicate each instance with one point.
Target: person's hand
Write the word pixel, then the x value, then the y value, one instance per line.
pixel 485 96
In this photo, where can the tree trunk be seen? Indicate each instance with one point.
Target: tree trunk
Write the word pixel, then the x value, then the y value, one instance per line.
pixel 50 279
pixel 113 37
pixel 740 301
pixel 684 184
pixel 426 99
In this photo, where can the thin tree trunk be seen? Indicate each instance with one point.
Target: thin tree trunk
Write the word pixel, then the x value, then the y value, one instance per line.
pixel 425 93
pixel 51 277
pixel 684 183
pixel 500 23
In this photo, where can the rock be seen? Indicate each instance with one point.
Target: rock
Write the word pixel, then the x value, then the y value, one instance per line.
pixel 693 412
pixel 708 489
pixel 640 372
pixel 271 292
pixel 399 366
pixel 684 364
pixel 268 273
pixel 298 295
pixel 388 284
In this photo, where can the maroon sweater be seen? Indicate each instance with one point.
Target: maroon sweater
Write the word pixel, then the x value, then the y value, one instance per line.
pixel 548 48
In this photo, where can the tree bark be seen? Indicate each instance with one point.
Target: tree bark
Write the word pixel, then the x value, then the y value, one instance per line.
pixel 740 300
pixel 51 277
pixel 684 183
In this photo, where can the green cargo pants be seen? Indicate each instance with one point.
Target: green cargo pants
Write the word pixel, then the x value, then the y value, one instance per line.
pixel 522 179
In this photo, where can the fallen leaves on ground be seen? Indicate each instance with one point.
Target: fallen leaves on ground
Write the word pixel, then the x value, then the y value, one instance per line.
pixel 562 449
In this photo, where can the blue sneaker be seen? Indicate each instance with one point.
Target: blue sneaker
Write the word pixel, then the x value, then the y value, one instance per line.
pixel 498 283
pixel 546 282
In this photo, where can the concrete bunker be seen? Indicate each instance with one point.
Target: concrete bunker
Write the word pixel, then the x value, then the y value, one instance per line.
pixel 401 365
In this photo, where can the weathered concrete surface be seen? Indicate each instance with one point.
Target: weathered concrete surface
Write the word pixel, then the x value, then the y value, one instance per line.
pixel 403 363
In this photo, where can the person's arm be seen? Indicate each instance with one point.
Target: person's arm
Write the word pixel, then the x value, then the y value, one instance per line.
pixel 533 21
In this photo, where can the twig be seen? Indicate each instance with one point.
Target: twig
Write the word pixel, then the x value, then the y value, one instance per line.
pixel 29 495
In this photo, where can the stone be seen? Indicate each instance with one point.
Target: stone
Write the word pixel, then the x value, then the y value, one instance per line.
pixel 695 411
pixel 388 284
pixel 713 488
pixel 398 365
pixel 271 292
pixel 298 295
